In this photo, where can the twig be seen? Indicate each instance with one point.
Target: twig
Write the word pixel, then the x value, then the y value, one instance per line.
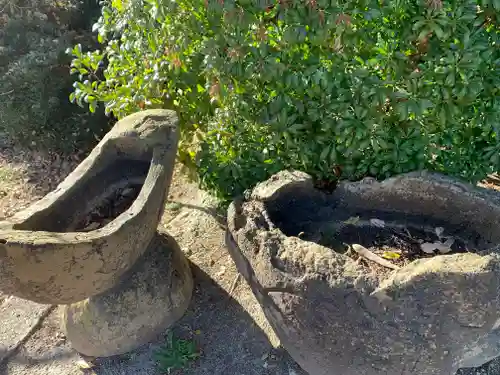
pixel 233 285
pixel 6 93
pixel 367 254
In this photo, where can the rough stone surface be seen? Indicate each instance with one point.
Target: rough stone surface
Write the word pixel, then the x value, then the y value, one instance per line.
pixel 431 317
pixel 43 260
pixel 145 304
pixel 18 319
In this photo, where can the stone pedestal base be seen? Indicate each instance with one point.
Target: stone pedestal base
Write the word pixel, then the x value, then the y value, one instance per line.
pixel 149 299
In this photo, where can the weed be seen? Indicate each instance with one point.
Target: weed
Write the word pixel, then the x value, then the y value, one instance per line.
pixel 176 354
pixel 173 206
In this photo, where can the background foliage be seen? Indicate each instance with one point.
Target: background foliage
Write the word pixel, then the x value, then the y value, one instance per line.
pixel 35 78
pixel 339 89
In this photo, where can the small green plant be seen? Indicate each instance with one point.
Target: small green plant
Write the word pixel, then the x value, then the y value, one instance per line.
pixel 176 354
pixel 173 206
pixel 341 89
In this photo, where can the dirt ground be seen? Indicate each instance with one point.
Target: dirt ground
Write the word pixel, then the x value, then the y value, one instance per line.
pixel 224 318
pixel 27 176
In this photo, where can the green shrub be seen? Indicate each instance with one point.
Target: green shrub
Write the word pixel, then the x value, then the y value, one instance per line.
pixel 339 89
pixel 35 74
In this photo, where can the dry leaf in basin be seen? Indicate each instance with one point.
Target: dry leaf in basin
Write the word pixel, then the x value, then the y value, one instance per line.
pixel 369 255
pixel 439 231
pixel 377 223
pixel 443 248
pixel 391 255
pixel 353 220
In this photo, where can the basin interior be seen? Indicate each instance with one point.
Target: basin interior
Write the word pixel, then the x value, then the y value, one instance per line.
pixel 93 202
pixel 321 218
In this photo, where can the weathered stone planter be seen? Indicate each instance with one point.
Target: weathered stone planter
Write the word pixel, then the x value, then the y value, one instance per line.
pixel 153 297
pixel 430 317
pixel 55 252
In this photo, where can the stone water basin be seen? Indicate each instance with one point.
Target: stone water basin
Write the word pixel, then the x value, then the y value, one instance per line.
pixel 62 249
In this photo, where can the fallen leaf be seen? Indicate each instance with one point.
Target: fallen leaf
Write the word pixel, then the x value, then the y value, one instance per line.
pixel 369 255
pixel 353 220
pixel 439 231
pixel 391 255
pixel 428 247
pixel 84 365
pixel 377 223
pixel 443 248
pixel 450 241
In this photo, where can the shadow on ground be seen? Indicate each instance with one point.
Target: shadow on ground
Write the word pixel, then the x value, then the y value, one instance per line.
pixel 490 368
pixel 231 343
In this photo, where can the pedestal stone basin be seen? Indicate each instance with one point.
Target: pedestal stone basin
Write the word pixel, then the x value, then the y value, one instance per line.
pixel 57 252
pixel 336 312
pixel 150 298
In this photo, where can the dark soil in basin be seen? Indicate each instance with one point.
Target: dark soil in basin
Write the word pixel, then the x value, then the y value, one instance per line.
pixel 109 208
pixel 395 242
pixel 390 239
